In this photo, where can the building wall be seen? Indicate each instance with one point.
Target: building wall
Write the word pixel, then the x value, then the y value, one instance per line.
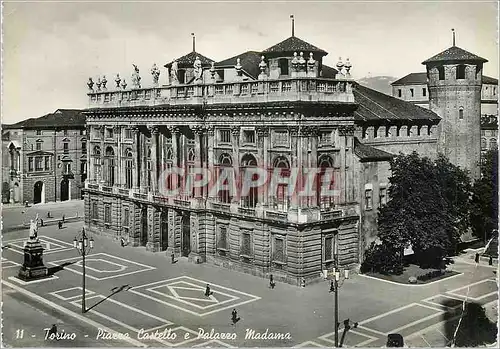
pixel 458 134
pixel 12 167
pixel 420 92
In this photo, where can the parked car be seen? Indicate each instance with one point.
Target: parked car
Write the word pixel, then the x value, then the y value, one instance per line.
pixel 395 340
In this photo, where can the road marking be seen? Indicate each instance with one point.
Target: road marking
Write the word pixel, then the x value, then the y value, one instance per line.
pixel 454 292
pixel 371 330
pixel 10 264
pixel 387 313
pixel 22 282
pixel 215 341
pixel 416 322
pixel 71 313
pixel 369 340
pixel 428 300
pixel 309 344
pixel 87 293
pixel 464 261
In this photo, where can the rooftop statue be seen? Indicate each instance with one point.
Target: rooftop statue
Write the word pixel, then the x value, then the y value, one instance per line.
pixel 155 72
pixel 198 70
pixel 302 62
pixel 118 80
pixel 124 84
pixel 174 71
pixel 136 78
pixel 90 84
pixel 104 81
pixel 238 67
pixel 98 83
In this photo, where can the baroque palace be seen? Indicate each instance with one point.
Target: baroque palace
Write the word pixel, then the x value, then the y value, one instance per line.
pixel 280 108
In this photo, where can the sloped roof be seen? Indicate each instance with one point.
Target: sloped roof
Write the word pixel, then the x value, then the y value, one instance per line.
pixel 489 80
pixel 454 53
pixel 421 78
pixel 489 122
pixel 412 79
pixel 329 72
pixel 61 118
pixel 249 62
pixel 374 105
pixel 189 59
pixel 367 153
pixel 294 44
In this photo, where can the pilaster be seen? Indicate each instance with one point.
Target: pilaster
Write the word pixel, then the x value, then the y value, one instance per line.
pixel 235 142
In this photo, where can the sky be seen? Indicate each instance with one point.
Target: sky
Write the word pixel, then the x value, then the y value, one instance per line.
pixel 50 49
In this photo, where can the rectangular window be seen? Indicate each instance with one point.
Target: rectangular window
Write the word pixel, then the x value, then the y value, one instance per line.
pixel 82 167
pixel 65 132
pixel 38 145
pixel 82 132
pixel 249 136
pixel 109 133
pixel 441 73
pixel 280 138
pixel 222 240
pixel 368 199
pixel 66 147
pixel 30 164
pixel 283 62
pixel 47 163
pixel 424 92
pixel 225 136
pixel 460 72
pixel 412 92
pixel 38 132
pixel 126 217
pixel 129 134
pixel 95 211
pixel 107 214
pixel 399 92
pixel 246 244
pixel 382 196
pixel 279 250
pixel 38 163
pixel 128 174
pixel 329 248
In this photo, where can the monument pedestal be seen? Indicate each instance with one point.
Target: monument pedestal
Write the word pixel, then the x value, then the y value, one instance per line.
pixel 33 267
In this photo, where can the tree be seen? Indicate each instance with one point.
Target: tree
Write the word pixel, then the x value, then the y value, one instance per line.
pixel 484 206
pixel 421 210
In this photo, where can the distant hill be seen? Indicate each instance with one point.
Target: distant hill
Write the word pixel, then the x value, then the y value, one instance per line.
pixel 378 83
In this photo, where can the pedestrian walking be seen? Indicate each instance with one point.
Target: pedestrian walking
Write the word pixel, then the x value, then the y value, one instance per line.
pixel 234 316
pixel 48 215
pixel 490 261
pixel 332 287
pixel 271 282
pixel 41 222
pixel 53 331
pixel 63 218
pixel 59 224
pixel 207 291
pixel 476 259
pixel 122 241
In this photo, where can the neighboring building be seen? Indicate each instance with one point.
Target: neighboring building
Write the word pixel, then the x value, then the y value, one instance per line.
pixel 489 132
pixel 283 111
pixel 45 158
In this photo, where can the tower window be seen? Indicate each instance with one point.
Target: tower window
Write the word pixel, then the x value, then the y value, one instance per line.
pixel 461 72
pixel 461 113
pixel 412 92
pixel 441 73
pixel 399 92
pixel 283 62
pixel 424 92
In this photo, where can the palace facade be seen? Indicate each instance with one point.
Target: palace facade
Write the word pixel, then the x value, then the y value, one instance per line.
pixel 281 108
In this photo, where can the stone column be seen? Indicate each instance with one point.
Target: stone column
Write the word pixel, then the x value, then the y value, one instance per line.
pixel 171 232
pixel 294 164
pixel 153 243
pixel 342 180
pixel 136 155
pixel 210 158
pixel 119 168
pixel 154 159
pixel 262 134
pixel 198 133
pixel 174 131
pixel 303 162
pixel 102 131
pixel 235 142
pixel 144 165
pixel 313 157
pixel 349 155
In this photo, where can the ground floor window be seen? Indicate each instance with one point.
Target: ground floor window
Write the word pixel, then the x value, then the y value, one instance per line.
pixel 94 213
pixel 107 213
pixel 279 250
pixel 222 240
pixel 329 248
pixel 246 244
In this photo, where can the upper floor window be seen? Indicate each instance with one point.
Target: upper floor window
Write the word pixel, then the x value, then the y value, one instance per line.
pixel 38 132
pixel 483 143
pixel 412 92
pixel 249 136
pixel 283 63
pixel 400 93
pixel 424 92
pixel 65 132
pixel 129 134
pixel 66 147
pixel 225 136
pixel 441 73
pixel 368 199
pixel 461 113
pixel 84 147
pixel 461 71
pixel 82 132
pixel 38 145
pixel 109 133
pixel 493 143
pixel 382 196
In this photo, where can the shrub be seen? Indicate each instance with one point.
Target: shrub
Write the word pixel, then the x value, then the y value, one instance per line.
pixel 382 259
pixel 430 275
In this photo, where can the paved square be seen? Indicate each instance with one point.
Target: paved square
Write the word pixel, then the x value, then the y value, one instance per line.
pixel 351 339
pixel 103 266
pixel 71 293
pixel 410 315
pixel 50 245
pixel 445 302
pixel 477 290
pixel 188 294
pixel 9 264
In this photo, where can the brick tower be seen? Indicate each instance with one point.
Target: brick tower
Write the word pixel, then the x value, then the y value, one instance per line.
pixel 454 82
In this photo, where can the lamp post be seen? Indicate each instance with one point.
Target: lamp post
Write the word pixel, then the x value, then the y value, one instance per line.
pixel 83 245
pixel 338 282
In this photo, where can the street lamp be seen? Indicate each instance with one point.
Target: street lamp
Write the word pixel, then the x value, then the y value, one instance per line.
pixel 83 245
pixel 338 279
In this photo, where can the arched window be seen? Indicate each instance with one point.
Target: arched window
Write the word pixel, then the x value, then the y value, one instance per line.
pixel 249 199
pixel 109 158
pixel 325 165
pixel 129 168
pixel 282 200
pixel 460 71
pixel 169 164
pixel 461 113
pixel 493 143
pixel 225 162
pixel 483 143
pixel 441 73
